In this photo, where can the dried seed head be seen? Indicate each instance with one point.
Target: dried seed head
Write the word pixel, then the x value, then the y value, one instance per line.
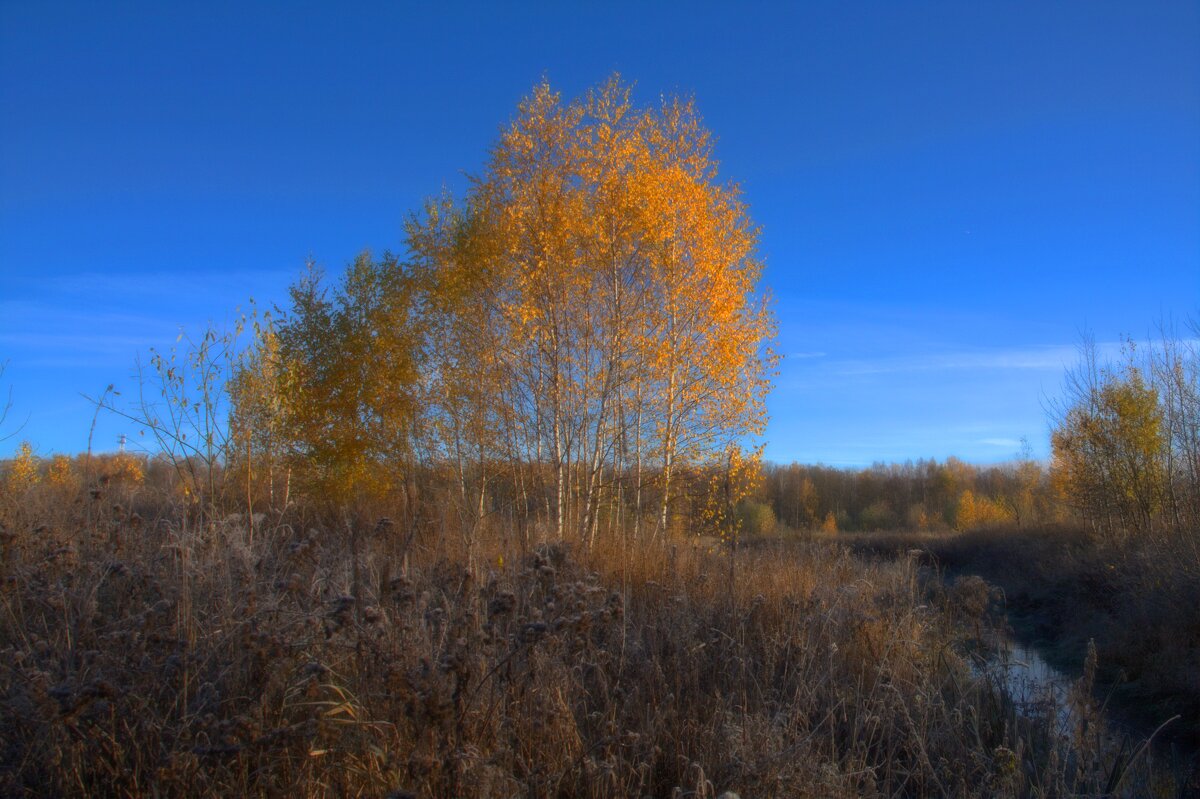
pixel 534 631
pixel 313 669
pixel 502 604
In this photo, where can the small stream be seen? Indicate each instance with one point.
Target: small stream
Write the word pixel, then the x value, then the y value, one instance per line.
pixel 1034 686
pixel 1041 693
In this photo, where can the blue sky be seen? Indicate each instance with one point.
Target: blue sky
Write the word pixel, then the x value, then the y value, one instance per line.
pixel 948 192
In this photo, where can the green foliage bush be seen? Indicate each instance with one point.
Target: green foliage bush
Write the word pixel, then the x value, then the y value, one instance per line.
pixel 757 518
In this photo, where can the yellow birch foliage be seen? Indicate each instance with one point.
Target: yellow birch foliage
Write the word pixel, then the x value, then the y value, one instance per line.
pixel 728 486
pixel 347 372
pixel 1108 453
pixel 974 511
pixel 123 469
pixel 965 514
pixel 60 474
pixel 23 471
pixel 619 283
pixel 257 394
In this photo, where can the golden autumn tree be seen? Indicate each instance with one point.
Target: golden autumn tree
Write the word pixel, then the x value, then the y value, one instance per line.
pixel 710 373
pixel 726 511
pixel 974 511
pixel 469 397
pixel 1108 448
pixel 602 286
pixel 347 377
pixel 1126 438
pixel 23 470
pixel 829 524
pixel 60 473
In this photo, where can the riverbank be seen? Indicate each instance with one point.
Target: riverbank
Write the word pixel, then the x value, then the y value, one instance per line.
pixel 1061 589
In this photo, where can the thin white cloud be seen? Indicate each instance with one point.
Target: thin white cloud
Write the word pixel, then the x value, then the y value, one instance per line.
pixel 1011 443
pixel 805 355
pixel 1049 357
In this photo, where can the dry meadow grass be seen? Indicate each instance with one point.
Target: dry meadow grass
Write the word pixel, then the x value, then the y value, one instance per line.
pixel 145 654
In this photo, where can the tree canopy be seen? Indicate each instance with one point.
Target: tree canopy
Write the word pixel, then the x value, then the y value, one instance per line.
pixel 584 322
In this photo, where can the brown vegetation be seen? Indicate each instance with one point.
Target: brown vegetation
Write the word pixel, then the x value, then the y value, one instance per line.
pixel 146 652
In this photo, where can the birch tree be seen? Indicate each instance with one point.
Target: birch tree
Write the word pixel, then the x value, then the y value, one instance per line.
pixel 617 285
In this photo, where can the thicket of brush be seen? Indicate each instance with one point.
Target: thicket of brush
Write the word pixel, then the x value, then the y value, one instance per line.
pixel 148 650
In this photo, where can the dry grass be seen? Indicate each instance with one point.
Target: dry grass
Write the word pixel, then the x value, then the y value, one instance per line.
pixel 143 655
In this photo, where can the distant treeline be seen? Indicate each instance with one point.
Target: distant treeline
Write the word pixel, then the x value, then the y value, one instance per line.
pixel 925 495
pixel 921 495
pixel 1125 461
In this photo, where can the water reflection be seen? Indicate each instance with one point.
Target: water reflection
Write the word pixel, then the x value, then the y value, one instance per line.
pixel 1035 688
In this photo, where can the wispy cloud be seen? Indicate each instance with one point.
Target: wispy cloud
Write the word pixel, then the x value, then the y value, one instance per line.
pixel 1039 357
pixel 1010 443
pixel 805 355
pixel 1049 357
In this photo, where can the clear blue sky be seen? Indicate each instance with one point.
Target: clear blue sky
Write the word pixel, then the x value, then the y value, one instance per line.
pixel 949 192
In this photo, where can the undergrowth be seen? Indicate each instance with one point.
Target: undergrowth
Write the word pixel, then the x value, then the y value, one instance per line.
pixel 147 652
